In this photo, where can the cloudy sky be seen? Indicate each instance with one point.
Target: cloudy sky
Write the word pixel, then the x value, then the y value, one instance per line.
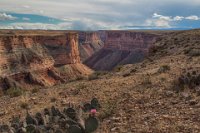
pixel 99 14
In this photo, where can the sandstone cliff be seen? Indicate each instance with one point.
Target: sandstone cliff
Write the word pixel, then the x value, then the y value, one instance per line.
pixel 40 58
pixel 89 43
pixel 122 47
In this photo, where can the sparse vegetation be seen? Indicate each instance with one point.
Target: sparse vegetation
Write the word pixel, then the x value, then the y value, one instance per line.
pixel 189 79
pixel 126 74
pixel 194 52
pixel 146 81
pixel 163 69
pixel 108 109
pixel 163 79
pixel 53 99
pixel 93 76
pixel 14 92
pixel 80 78
pixel 81 86
pixel 118 68
pixel 96 75
pixel 24 105
pixel 35 90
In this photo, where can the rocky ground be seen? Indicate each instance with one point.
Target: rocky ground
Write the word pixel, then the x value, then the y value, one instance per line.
pixel 147 97
pixel 137 98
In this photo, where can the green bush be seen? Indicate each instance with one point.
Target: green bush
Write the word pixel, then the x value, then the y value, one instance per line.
pixel 14 92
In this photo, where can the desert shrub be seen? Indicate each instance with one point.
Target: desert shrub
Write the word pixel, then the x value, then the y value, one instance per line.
pixel 118 68
pixel 14 92
pixel 133 70
pixel 188 80
pixel 96 75
pixel 24 105
pixel 101 73
pixel 80 78
pixel 53 99
pixel 93 76
pixel 153 49
pixel 126 74
pixel 1 93
pixel 194 52
pixel 163 69
pixel 146 81
pixel 163 79
pixel 81 86
pixel 35 90
pixel 108 109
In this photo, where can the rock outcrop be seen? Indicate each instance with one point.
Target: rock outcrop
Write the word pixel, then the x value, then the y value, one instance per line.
pixel 122 47
pixel 39 58
pixel 89 43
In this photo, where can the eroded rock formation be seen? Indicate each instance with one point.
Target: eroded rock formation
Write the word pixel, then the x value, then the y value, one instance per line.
pixel 40 58
pixel 122 47
pixel 89 43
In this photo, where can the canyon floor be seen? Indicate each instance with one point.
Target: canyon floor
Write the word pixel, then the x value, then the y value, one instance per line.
pixel 134 98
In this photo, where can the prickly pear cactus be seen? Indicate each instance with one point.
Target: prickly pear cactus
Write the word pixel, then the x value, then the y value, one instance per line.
pixel 91 124
pixel 87 107
pixel 31 129
pixel 71 113
pixel 75 129
pixel 95 104
pixel 30 120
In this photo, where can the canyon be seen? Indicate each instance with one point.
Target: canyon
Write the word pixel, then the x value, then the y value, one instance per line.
pixel 123 47
pixel 46 58
pixel 89 43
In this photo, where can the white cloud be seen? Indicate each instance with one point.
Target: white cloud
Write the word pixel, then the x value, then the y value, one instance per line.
pixel 157 23
pixel 193 17
pixel 4 16
pixel 178 18
pixel 162 17
pixel 155 15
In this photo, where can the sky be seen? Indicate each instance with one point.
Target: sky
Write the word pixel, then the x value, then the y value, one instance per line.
pixel 99 14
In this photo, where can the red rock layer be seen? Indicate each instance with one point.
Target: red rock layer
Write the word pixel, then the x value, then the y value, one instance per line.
pixel 37 58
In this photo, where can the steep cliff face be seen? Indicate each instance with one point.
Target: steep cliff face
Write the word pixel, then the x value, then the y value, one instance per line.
pixel 39 59
pixel 122 47
pixel 64 49
pixel 89 43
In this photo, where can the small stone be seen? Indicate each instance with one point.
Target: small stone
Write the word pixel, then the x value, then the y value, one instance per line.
pixel 2 113
pixel 114 129
pixel 193 102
